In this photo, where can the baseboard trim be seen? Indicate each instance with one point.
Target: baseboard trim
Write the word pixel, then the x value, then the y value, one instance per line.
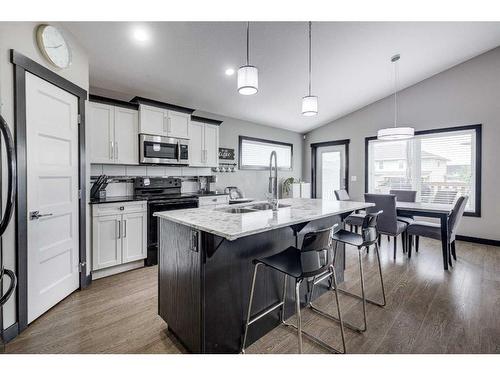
pixel 10 333
pixel 105 272
pixel 482 241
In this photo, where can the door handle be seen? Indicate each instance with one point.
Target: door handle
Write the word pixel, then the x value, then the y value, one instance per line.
pixel 119 229
pixel 35 215
pixel 116 150
pixel 124 228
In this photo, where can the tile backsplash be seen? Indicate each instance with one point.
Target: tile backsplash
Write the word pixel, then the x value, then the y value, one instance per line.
pixel 147 170
pixel 126 188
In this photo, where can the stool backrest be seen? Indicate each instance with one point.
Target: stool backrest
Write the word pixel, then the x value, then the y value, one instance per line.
pixel 342 195
pixel 387 221
pixel 404 195
pixel 369 228
pixel 316 251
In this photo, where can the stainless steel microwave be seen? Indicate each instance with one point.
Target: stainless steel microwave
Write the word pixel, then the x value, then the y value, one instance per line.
pixel 155 149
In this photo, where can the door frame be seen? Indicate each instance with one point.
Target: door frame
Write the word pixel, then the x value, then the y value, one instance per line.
pixel 314 148
pixel 23 64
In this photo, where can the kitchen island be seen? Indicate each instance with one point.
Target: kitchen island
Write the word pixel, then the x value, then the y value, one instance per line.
pixel 205 266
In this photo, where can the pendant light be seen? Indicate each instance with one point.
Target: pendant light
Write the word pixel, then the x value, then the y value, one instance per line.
pixel 248 75
pixel 310 102
pixel 395 132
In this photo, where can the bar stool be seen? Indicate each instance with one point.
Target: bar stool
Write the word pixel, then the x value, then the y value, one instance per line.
pixel 312 259
pixel 368 237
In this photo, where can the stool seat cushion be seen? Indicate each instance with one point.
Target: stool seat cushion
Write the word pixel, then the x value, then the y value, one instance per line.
pixel 405 219
pixel 297 263
pixel 425 229
pixel 355 219
pixel 348 237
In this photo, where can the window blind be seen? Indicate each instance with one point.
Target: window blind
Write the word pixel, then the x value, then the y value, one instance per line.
pixel 255 154
pixel 439 166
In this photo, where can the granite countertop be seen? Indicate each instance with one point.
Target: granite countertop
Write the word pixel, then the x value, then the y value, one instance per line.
pixel 124 198
pixel 132 198
pixel 232 226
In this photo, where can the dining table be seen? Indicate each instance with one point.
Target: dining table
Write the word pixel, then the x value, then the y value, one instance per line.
pixel 431 210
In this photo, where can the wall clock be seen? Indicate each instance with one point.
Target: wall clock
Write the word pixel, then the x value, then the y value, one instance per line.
pixel 53 46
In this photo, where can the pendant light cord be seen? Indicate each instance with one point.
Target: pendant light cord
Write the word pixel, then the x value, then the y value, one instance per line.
pixel 248 42
pixel 310 23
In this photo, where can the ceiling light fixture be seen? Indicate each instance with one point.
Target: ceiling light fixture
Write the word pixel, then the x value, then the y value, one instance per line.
pixel 248 75
pixel 229 71
pixel 310 102
pixel 141 35
pixel 395 132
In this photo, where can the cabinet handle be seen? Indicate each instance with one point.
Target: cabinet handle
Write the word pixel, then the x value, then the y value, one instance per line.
pixel 169 125
pixel 165 126
pixel 118 222
pixel 116 150
pixel 124 228
pixel 111 149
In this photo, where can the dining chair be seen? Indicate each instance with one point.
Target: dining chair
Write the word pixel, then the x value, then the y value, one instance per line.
pixel 404 196
pixel 387 222
pixel 353 220
pixel 445 196
pixel 433 230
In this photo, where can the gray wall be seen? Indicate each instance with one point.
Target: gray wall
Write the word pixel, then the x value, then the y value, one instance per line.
pixel 254 183
pixel 463 95
pixel 21 37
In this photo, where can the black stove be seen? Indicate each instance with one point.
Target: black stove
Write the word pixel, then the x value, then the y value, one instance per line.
pixel 162 194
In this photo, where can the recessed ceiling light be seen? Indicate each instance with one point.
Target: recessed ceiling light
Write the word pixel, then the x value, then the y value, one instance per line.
pixel 141 35
pixel 229 71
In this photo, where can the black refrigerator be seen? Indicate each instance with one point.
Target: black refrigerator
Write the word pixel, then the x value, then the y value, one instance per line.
pixel 7 277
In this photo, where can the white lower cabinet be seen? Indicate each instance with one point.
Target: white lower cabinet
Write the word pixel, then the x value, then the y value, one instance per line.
pixel 119 233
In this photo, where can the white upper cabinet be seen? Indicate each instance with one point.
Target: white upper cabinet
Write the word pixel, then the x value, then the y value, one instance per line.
pixel 178 124
pixel 196 144
pixel 113 134
pixel 126 136
pixel 203 144
pixel 211 145
pixel 163 122
pixel 102 129
pixel 152 120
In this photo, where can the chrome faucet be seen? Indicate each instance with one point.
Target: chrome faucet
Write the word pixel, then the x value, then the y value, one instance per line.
pixel 273 182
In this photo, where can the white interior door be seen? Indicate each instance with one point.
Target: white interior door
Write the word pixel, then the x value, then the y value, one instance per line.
pixel 52 192
pixel 330 170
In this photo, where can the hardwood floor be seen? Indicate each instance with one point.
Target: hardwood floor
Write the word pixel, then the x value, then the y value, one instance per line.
pixel 428 311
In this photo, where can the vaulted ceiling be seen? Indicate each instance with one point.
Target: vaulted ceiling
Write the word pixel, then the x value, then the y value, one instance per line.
pixel 184 62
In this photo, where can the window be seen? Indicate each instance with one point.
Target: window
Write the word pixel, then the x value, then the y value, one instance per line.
pixel 255 153
pixel 440 164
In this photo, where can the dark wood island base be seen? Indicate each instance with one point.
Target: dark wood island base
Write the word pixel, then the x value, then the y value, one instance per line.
pixel 204 283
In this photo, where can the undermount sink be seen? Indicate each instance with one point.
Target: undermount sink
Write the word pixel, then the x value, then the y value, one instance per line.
pixel 252 208
pixel 266 206
pixel 238 210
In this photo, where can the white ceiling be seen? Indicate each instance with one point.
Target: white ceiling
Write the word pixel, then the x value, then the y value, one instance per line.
pixel 184 63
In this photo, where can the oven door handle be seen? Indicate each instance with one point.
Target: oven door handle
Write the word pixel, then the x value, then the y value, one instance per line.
pixel 170 203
